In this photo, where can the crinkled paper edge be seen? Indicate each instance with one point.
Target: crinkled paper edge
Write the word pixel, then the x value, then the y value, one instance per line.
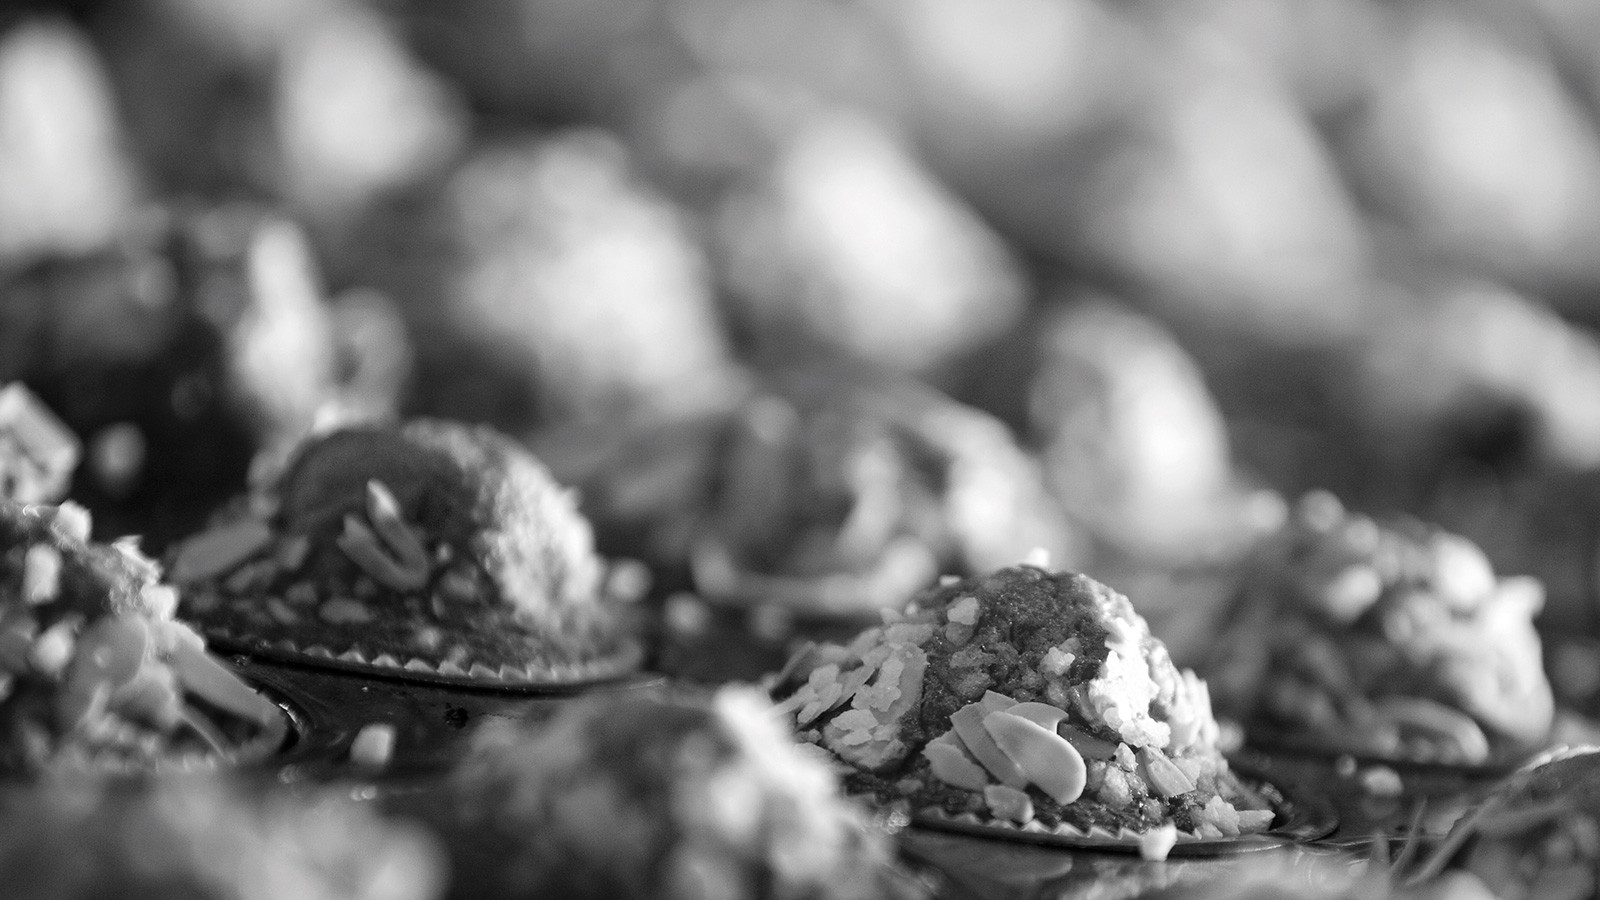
pixel 1295 821
pixel 625 661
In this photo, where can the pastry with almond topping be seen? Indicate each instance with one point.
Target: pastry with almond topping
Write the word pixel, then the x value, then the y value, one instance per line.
pixel 95 673
pixel 206 837
pixel 661 795
pixel 1393 639
pixel 1026 699
pixel 833 491
pixel 433 548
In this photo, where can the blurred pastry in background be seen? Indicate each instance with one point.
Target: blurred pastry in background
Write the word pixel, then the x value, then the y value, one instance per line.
pixel 208 838
pixel 737 83
pixel 1026 698
pixel 1475 406
pixel 199 339
pixel 674 795
pixel 1130 437
pixel 544 281
pixel 1532 834
pixel 1327 54
pixel 843 493
pixel 1135 448
pixel 829 491
pixel 431 549
pixel 319 106
pixel 1195 181
pixel 1388 639
pixel 96 674
pixel 68 179
pixel 847 246
pixel 549 60
pixel 1471 140
pixel 993 89
pixel 827 494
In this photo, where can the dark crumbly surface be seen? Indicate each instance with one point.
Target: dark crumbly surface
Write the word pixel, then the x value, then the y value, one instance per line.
pixel 509 575
pixel 674 795
pixel 1020 636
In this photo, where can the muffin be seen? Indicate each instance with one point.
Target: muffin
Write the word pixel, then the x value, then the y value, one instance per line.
pixel 205 838
pixel 670 795
pixel 1390 639
pixel 318 106
pixel 845 244
pixel 826 493
pixel 69 180
pixel 431 548
pixel 94 671
pixel 545 280
pixel 1025 700
pixel 199 338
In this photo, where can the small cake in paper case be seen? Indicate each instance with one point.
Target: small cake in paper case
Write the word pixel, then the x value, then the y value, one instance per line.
pixel 1027 700
pixel 431 549
pixel 1390 639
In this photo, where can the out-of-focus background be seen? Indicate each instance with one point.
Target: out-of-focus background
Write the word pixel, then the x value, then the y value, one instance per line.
pixel 1195 256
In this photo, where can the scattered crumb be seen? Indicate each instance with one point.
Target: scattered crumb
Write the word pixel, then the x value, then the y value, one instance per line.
pixel 373 746
pixel 1154 845
pixel 1382 781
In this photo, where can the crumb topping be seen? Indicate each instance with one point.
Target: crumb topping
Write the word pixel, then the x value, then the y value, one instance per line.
pixel 1023 696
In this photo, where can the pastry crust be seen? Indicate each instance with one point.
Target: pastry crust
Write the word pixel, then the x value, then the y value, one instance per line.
pixel 431 548
pixel 1025 697
pixel 1392 639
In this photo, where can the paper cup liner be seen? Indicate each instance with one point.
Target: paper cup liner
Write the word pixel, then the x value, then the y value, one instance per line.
pixel 1298 818
pixel 535 676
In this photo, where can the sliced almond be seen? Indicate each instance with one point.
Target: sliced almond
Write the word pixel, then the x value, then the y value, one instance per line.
pixel 208 678
pixel 112 649
pixel 968 725
pixel 1162 774
pixel 217 551
pixel 1041 714
pixel 951 765
pixel 1087 745
pixel 1048 761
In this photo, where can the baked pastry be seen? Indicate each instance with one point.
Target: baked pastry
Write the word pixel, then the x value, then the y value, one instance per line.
pixel 1533 834
pixel 1389 639
pixel 910 279
pixel 1025 699
pixel 827 493
pixel 94 671
pixel 206 838
pixel 201 337
pixel 670 795
pixel 69 180
pixel 551 283
pixel 431 548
